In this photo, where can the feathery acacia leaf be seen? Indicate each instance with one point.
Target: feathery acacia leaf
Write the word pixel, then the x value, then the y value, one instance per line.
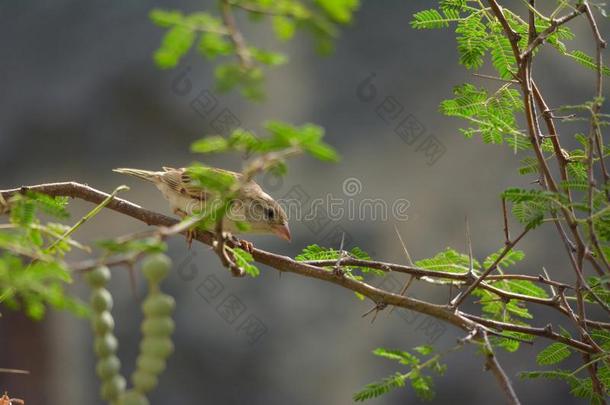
pixel 472 41
pixel 421 383
pixel 433 19
pixel 448 260
pixel 553 354
pixel 586 61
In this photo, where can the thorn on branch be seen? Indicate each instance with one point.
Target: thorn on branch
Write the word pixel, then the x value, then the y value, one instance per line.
pixel 471 335
pixel 338 272
pixel 379 306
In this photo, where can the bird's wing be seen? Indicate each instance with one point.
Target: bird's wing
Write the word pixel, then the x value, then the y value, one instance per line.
pixel 179 181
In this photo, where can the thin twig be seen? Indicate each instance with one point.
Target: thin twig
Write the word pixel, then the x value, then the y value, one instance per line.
pixel 492 363
pixel 462 296
pixel 241 49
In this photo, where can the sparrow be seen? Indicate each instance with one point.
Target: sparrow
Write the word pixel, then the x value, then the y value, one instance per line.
pixel 253 206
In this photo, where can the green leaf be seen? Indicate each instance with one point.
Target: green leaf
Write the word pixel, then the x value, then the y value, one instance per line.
pixel 508 344
pixel 423 387
pixel 402 357
pixel 433 19
pixel 602 337
pixel 524 287
pixel 210 178
pixel 54 206
pixel 384 386
pixel 598 287
pixel 165 18
pixel 564 375
pixel 210 144
pixel 268 58
pixel 516 307
pixel 339 10
pixel 249 81
pixel 424 350
pixel 472 41
pixel 283 27
pixel 212 45
pixel 315 252
pixel 520 195
pixel 244 260
pixel 581 388
pixel 553 354
pixel 512 257
pixel 23 211
pixel 530 206
pixel 422 384
pixel 176 43
pixel 453 5
pixel 530 165
pixel 587 61
pixel 35 286
pixel 530 214
pixel 502 56
pixel 577 170
pixel 492 117
pixel 322 151
pixel 449 260
pixel 361 297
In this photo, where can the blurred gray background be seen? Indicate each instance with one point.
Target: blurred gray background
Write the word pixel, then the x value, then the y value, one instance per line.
pixel 81 95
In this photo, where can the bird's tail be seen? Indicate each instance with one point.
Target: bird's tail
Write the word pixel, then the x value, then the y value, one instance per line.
pixel 142 174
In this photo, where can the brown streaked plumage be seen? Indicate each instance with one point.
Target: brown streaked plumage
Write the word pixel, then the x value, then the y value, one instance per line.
pixel 253 206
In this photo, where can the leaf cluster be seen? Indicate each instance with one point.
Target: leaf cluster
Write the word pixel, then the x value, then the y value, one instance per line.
pixel 421 364
pixel 215 37
pixel 32 272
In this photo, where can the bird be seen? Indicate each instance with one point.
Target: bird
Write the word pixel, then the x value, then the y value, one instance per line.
pixel 253 206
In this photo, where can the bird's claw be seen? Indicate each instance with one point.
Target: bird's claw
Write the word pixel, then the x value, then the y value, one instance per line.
pixel 243 244
pixel 247 246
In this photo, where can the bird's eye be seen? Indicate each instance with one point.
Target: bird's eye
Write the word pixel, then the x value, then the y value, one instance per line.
pixel 269 213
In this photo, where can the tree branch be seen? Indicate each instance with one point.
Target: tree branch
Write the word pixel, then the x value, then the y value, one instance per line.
pixel 278 262
pixel 459 319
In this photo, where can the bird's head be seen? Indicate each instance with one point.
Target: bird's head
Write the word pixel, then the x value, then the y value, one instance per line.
pixel 261 212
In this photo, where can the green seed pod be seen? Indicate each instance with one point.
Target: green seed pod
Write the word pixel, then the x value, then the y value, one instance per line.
pixel 156 267
pixel 98 277
pixel 108 367
pixel 144 382
pixel 152 365
pixel 103 323
pixel 158 327
pixel 133 398
pixel 111 389
pixel 105 345
pixel 158 305
pixel 156 347
pixel 101 300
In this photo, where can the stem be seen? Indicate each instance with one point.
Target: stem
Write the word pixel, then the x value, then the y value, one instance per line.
pixel 89 215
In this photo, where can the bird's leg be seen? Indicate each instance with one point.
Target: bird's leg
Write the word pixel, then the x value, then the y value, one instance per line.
pixel 243 244
pixel 190 233
pixel 247 246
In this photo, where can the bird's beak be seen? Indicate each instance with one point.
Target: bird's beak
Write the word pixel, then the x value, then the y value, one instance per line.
pixel 282 231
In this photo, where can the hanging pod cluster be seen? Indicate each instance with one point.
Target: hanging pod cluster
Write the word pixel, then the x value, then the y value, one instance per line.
pixel 156 344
